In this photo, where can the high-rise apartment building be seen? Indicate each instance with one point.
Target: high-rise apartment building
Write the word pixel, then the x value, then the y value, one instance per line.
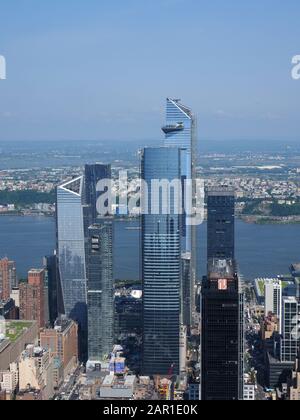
pixel 161 261
pixel 273 299
pixel 222 333
pixel 8 278
pixel 32 299
pixel 100 291
pixel 181 132
pixel 220 224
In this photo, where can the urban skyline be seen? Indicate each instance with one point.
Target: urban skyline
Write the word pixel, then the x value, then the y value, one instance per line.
pixel 149 243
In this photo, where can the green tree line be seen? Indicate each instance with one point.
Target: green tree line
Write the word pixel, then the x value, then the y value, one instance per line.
pixel 25 198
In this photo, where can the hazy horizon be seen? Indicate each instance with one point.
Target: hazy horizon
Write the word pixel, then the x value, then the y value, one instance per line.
pixel 103 69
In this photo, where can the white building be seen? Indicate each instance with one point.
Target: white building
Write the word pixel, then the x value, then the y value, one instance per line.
pixel 273 299
pixel 36 371
pixel 249 392
pixel 9 379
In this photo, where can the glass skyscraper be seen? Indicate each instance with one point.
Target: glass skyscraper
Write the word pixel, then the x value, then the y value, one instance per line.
pixel 92 175
pixel 222 333
pixel 100 291
pixel 220 224
pixel 181 131
pixel 289 346
pixel 71 253
pixel 161 264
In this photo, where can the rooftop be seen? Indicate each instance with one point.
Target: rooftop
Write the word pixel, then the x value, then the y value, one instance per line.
pixel 221 192
pixel 14 329
pixel 36 271
pixel 221 268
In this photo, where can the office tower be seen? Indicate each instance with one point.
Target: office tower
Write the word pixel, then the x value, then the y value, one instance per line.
pixel 50 265
pixel 94 174
pixel 220 224
pixel 181 131
pixel 8 278
pixel 100 292
pixel 71 255
pixel 161 262
pixel 222 333
pixel 187 295
pixel 32 303
pixel 62 341
pixel 289 346
pixel 128 313
pixel 273 298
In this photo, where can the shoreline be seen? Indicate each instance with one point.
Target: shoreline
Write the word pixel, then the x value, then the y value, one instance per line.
pixel 251 219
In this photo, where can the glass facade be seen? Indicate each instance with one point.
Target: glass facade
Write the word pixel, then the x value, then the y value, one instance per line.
pixel 71 252
pixel 50 264
pixel 220 224
pixel 161 267
pixel 222 333
pixel 93 174
pixel 180 131
pixel 290 329
pixel 100 291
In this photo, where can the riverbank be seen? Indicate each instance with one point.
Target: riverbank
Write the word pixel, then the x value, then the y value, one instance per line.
pixel 251 219
pixel 270 220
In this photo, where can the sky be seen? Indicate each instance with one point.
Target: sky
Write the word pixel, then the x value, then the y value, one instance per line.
pixel 101 69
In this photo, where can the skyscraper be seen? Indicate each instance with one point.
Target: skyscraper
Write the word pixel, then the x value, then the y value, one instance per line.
pixel 8 278
pixel 32 298
pixel 100 291
pixel 290 339
pixel 71 253
pixel 50 265
pixel 220 224
pixel 92 175
pixel 273 299
pixel 222 333
pixel 161 262
pixel 180 131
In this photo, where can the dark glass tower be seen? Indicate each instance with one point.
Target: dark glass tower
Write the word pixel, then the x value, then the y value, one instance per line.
pixel 161 264
pixel 222 333
pixel 220 224
pixel 100 291
pixel 94 174
pixel 50 265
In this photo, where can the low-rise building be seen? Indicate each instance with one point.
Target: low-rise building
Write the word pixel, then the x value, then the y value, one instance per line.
pixel 294 383
pixel 29 395
pixel 9 379
pixel 249 392
pixel 36 371
pixel 118 388
pixel 62 341
pixel 18 335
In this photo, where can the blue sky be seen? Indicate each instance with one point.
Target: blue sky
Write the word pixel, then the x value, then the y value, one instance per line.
pixel 101 69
